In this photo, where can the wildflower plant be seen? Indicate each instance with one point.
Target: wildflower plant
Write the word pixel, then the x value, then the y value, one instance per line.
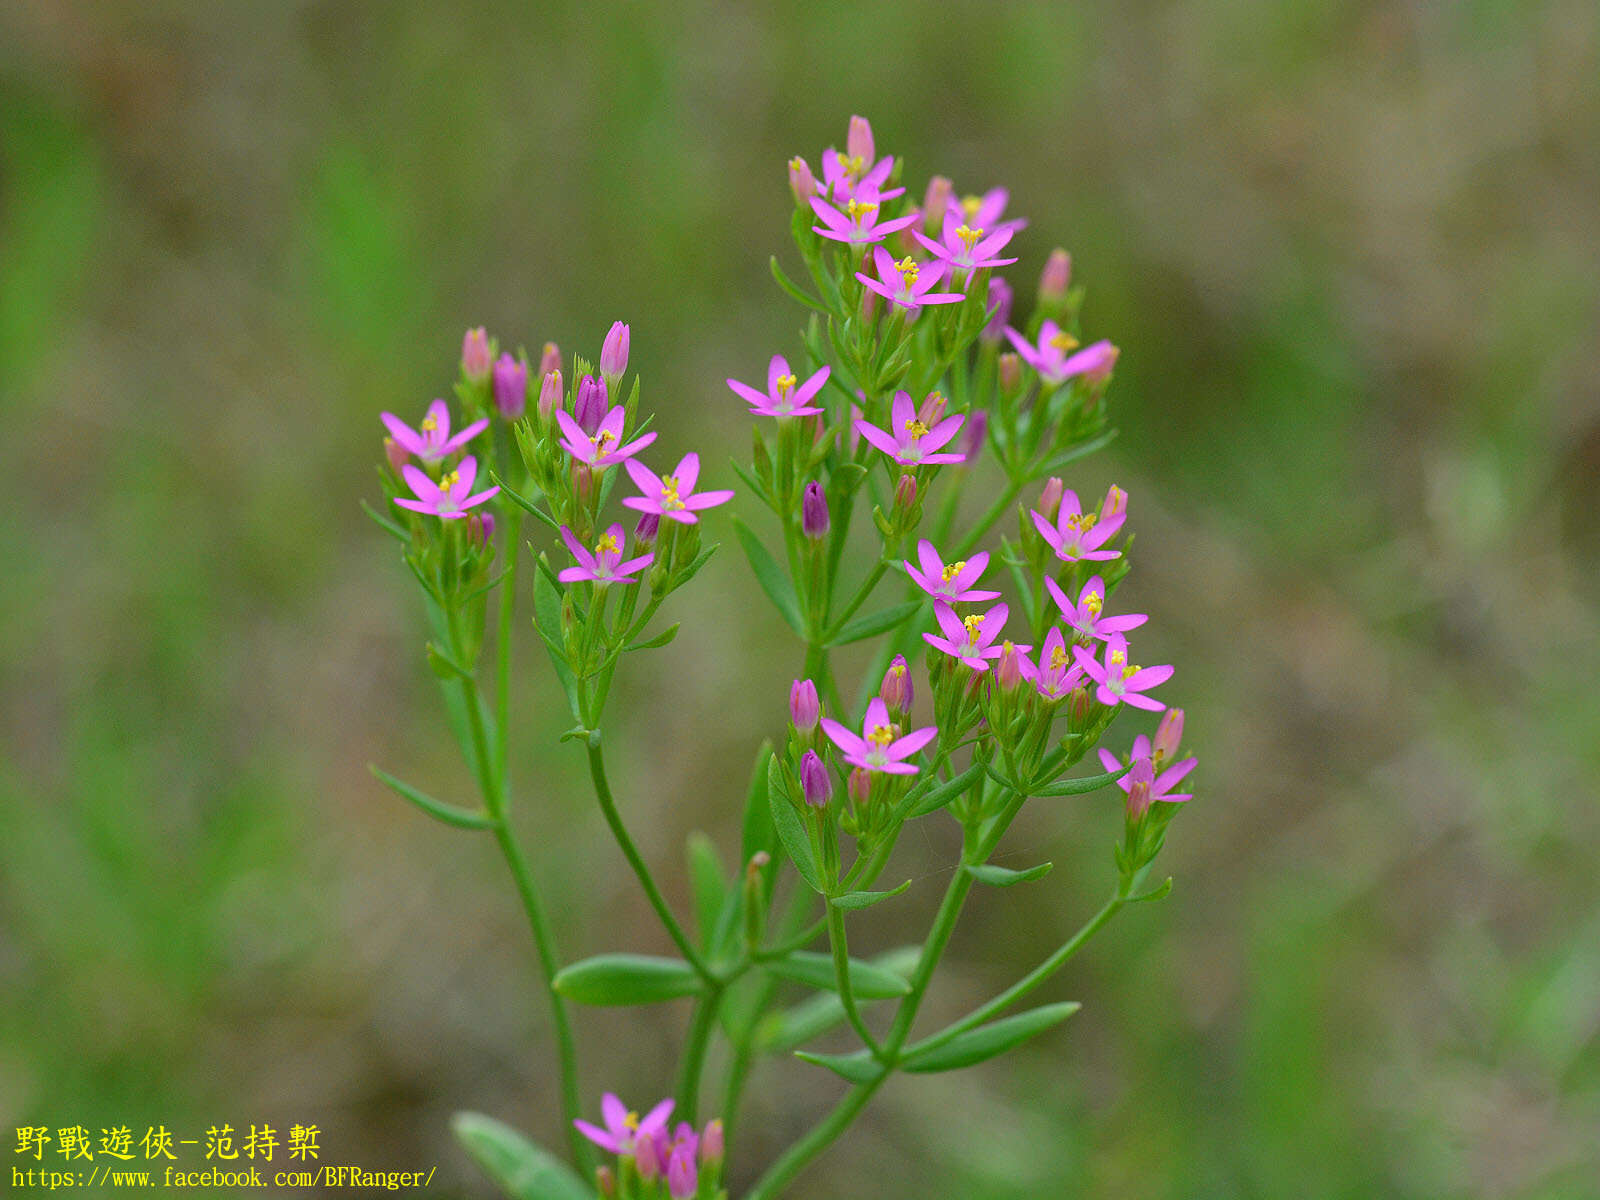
pixel 874 426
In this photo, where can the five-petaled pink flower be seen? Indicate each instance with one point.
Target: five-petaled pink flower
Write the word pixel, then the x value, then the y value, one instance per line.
pixel 1057 674
pixel 448 498
pixel 909 442
pixel 856 221
pixel 880 746
pixel 1087 617
pixel 1054 359
pixel 604 448
pixel 624 1129
pixel 671 496
pixel 1076 534
pixel 604 564
pixel 907 283
pixel 966 247
pixel 1161 785
pixel 972 640
pixel 1122 682
pixel 785 396
pixel 432 441
pixel 952 583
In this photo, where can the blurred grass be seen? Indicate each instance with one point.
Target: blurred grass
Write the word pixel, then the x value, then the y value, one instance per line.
pixel 1349 251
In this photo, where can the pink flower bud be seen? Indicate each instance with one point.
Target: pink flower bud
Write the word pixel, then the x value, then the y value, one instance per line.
pixel 1168 734
pixel 682 1178
pixel 856 413
pixel 814 512
pixel 905 493
pixel 1000 297
pixel 711 1142
pixel 1056 277
pixel 801 182
pixel 475 355
pixel 550 393
pixel 646 1159
pixel 590 406
pixel 805 710
pixel 480 527
pixel 510 387
pixel 1010 372
pixel 648 529
pixel 972 434
pixel 395 454
pixel 550 359
pixel 896 690
pixel 935 203
pixel 606 1180
pixel 859 786
pixel 614 353
pixel 1050 498
pixel 582 482
pixel 815 782
pixel 932 409
pixel 1008 671
pixel 1079 706
pixel 858 142
pixel 1139 781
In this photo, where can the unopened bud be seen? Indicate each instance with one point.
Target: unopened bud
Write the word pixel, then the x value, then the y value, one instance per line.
pixel 896 690
pixel 647 529
pixel 856 413
pixel 614 353
pixel 510 387
pixel 475 355
pixel 606 1180
pixel 815 782
pixel 932 409
pixel 858 142
pixel 550 393
pixel 1010 372
pixel 805 709
pixel 395 454
pixel 1079 705
pixel 549 359
pixel 712 1148
pixel 859 786
pixel 582 482
pixel 1008 671
pixel 935 204
pixel 801 182
pixel 646 1159
pixel 999 305
pixel 1168 734
pixel 1050 498
pixel 480 527
pixel 590 406
pixel 1056 277
pixel 1139 781
pixel 814 512
pixel 905 493
pixel 972 434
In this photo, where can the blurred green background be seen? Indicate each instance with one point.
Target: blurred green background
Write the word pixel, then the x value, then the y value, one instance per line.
pixel 1351 252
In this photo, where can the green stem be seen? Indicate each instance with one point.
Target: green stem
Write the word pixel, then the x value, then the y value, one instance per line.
pixel 841 978
pixel 795 1159
pixel 859 598
pixel 694 1052
pixel 996 511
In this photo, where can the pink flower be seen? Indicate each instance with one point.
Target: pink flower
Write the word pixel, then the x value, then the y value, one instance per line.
pixel 1057 673
pixel 671 496
pixel 431 441
pixel 967 247
pixel 985 211
pixel 952 583
pixel 1052 357
pixel 970 641
pixel 1079 535
pixel 1160 785
pixel 1087 617
pixel 1122 682
pixel 448 498
pixel 856 221
pixel 605 564
pixel 881 747
pixel 603 449
pixel 784 397
pixel 912 443
pixel 475 355
pixel 624 1129
pixel 907 283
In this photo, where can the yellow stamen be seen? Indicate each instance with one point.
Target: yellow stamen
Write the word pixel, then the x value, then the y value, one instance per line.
pixel 1130 671
pixel 669 491
pixel 602 440
pixel 1058 658
pixel 881 736
pixel 970 205
pixel 631 1122
pixel 856 209
pixel 908 270
pixel 974 629
pixel 448 480
pixel 954 569
pixel 969 237
pixel 852 165
pixel 429 424
pixel 606 545
pixel 1064 341
pixel 1117 658
pixel 1093 603
pixel 785 384
pixel 916 429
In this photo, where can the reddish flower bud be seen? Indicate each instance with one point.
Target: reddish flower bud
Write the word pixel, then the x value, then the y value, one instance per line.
pixel 973 433
pixel 648 529
pixel 590 406
pixel 646 1159
pixel 815 782
pixel 1008 670
pixel 935 203
pixel 801 182
pixel 858 142
pixel 1114 505
pixel 475 362
pixel 859 786
pixel 550 393
pixel 510 387
pixel 396 455
pixel 1168 734
pixel 932 409
pixel 1010 372
pixel 905 493
pixel 549 359
pixel 614 353
pixel 1050 498
pixel 805 710
pixel 814 512
pixel 1056 277
pixel 606 1180
pixel 1000 297
pixel 896 690
pixel 1139 781
pixel 480 527
pixel 712 1148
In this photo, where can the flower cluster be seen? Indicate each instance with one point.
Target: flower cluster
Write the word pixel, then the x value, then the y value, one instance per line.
pixel 649 1153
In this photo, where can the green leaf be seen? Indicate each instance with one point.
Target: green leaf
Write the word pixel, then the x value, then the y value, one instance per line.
pixel 1076 787
pixel 707 882
pixel 611 979
pixel 986 1041
pixel 947 791
pixel 1159 892
pixel 385 522
pixel 752 483
pixel 547 612
pixel 446 667
pixel 793 288
pixel 859 1067
pixel 522 1169
pixel 774 582
pixel 816 970
pixel 866 899
pixel 693 568
pixel 874 623
pixel 759 833
pixel 789 1028
pixel 1004 876
pixel 791 830
pixel 450 814
pixel 656 642
pixel 1074 453
pixel 523 502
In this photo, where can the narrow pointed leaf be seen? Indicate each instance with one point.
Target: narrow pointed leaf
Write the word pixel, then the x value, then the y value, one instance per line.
pixel 758 831
pixel 523 502
pixel 947 791
pixel 774 582
pixel 859 1067
pixel 789 1028
pixel 866 899
pixel 523 1170
pixel 612 979
pixel 986 1041
pixel 791 830
pixel 1159 892
pixel 1076 787
pixel 384 521
pixel 874 623
pixel 708 883
pixel 816 970
pixel 659 640
pixel 1005 876
pixel 793 288
pixel 450 814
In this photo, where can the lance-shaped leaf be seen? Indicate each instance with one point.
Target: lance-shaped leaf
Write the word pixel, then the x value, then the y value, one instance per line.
pixel 859 1067
pixel 1005 876
pixel 947 791
pixel 613 979
pixel 522 1169
pixel 771 577
pixel 986 1041
pixel 450 814
pixel 1076 787
pixel 874 623
pixel 791 830
pixel 547 614
pixel 816 970
pixel 707 882
pixel 865 899
pixel 790 1028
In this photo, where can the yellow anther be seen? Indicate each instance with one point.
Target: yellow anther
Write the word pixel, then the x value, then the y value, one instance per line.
pixel 974 629
pixel 448 480
pixel 785 385
pixel 602 440
pixel 1130 671
pixel 908 270
pixel 631 1122
pixel 1117 658
pixel 970 205
pixel 1093 603
pixel 954 569
pixel 1064 341
pixel 852 164
pixel 669 492
pixel 969 237
pixel 1058 658
pixel 916 429
pixel 881 735
pixel 856 209
pixel 429 424
pixel 606 545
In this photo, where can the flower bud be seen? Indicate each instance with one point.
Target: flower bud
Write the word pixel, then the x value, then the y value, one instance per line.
pixel 1168 734
pixel 1139 781
pixel 646 1159
pixel 1100 360
pixel 896 690
pixel 859 786
pixel 549 359
pixel 475 355
pixel 801 182
pixel 395 454
pixel 711 1142
pixel 814 512
pixel 480 527
pixel 606 1180
pixel 682 1178
pixel 1008 670
pixel 856 413
pixel 1056 277
pixel 582 482
pixel 972 434
pixel 1010 372
pixel 1050 498
pixel 1114 505
pixel 858 143
pixel 905 494
pixel 815 782
pixel 550 393
pixel 591 405
pixel 932 409
pixel 648 528
pixel 804 708
pixel 935 204
pixel 999 305
pixel 1079 705
pixel 510 387
pixel 614 353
